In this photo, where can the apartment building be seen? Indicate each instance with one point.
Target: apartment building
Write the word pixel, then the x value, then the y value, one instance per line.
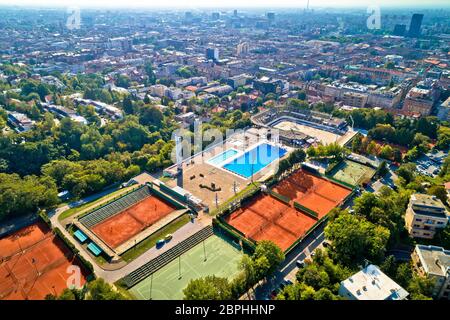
pixel 425 215
pixel 371 284
pixel 354 99
pixel 434 262
pixel 419 101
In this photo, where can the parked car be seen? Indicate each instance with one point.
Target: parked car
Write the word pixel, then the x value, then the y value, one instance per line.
pixel 160 242
pixel 168 237
pixel 300 263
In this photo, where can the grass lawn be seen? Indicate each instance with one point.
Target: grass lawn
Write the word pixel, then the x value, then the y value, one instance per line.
pixel 150 242
pixel 72 211
pixel 222 260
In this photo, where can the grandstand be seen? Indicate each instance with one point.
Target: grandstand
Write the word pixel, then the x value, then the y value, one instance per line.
pixel 118 226
pixel 298 126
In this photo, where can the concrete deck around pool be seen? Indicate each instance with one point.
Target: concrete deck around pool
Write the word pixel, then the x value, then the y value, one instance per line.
pixel 229 182
pixel 222 260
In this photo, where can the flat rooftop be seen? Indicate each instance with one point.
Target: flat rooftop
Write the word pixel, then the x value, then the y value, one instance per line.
pixel 421 202
pixel 372 284
pixel 435 260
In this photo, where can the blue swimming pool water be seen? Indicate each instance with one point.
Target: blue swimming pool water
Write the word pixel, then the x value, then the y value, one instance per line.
pixel 222 157
pixel 255 160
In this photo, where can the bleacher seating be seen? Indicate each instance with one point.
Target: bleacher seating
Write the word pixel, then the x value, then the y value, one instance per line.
pixel 160 261
pixel 115 207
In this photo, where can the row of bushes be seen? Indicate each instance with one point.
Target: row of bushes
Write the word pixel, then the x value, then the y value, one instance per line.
pixel 309 212
pixel 75 251
pixel 44 217
pixel 332 166
pixel 280 197
pixel 248 245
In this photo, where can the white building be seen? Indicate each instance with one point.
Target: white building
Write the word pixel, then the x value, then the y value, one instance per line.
pixel 371 284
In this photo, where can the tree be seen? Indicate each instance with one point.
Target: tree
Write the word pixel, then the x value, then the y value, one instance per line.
pixel 439 192
pixel 272 252
pixel 100 290
pixel 127 105
pixel 383 169
pixel 20 196
pixel 354 239
pixel 387 152
pixel 407 172
pixel 208 288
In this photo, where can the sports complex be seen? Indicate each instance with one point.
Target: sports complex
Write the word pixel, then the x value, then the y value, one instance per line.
pixel 219 172
pixel 118 226
pixel 34 262
pixel 289 210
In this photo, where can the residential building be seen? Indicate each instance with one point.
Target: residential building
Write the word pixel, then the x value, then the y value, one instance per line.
pixel 371 284
pixel 434 262
pixel 425 215
pixel 444 110
pixel 212 54
pixel 354 99
pixel 418 101
pixel 19 121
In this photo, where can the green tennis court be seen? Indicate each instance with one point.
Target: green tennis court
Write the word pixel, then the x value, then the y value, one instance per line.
pixel 352 172
pixel 222 260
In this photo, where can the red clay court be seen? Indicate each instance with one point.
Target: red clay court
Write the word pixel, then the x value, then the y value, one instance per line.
pixel 313 192
pixel 123 226
pixel 33 263
pixel 267 218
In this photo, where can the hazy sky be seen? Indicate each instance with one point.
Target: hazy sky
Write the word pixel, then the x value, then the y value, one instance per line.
pixel 227 3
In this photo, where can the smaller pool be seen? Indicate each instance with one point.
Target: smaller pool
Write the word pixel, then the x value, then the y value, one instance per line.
pixel 222 157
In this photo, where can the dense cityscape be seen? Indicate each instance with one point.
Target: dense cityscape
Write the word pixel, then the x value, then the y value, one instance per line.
pixel 225 154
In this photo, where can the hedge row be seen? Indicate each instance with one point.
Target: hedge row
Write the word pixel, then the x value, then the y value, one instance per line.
pixel 332 166
pixel 248 245
pixel 75 251
pixel 307 211
pixel 45 218
pixel 280 197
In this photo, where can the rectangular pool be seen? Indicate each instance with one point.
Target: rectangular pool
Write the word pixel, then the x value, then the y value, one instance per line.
pixel 222 157
pixel 255 160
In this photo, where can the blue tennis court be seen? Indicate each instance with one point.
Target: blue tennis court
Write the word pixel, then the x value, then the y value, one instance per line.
pixel 255 160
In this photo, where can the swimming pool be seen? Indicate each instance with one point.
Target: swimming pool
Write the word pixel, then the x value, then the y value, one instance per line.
pixel 255 160
pixel 222 157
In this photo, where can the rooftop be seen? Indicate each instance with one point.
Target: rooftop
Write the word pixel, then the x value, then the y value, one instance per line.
pixel 425 200
pixel 435 260
pixel 372 284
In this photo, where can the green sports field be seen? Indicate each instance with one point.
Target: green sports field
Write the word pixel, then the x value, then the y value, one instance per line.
pixel 222 260
pixel 352 172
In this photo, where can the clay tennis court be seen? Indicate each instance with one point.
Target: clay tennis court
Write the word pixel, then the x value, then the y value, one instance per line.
pixel 123 226
pixel 312 192
pixel 267 218
pixel 34 263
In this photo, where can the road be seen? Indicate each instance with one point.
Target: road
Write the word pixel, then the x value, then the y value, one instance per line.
pixel 288 268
